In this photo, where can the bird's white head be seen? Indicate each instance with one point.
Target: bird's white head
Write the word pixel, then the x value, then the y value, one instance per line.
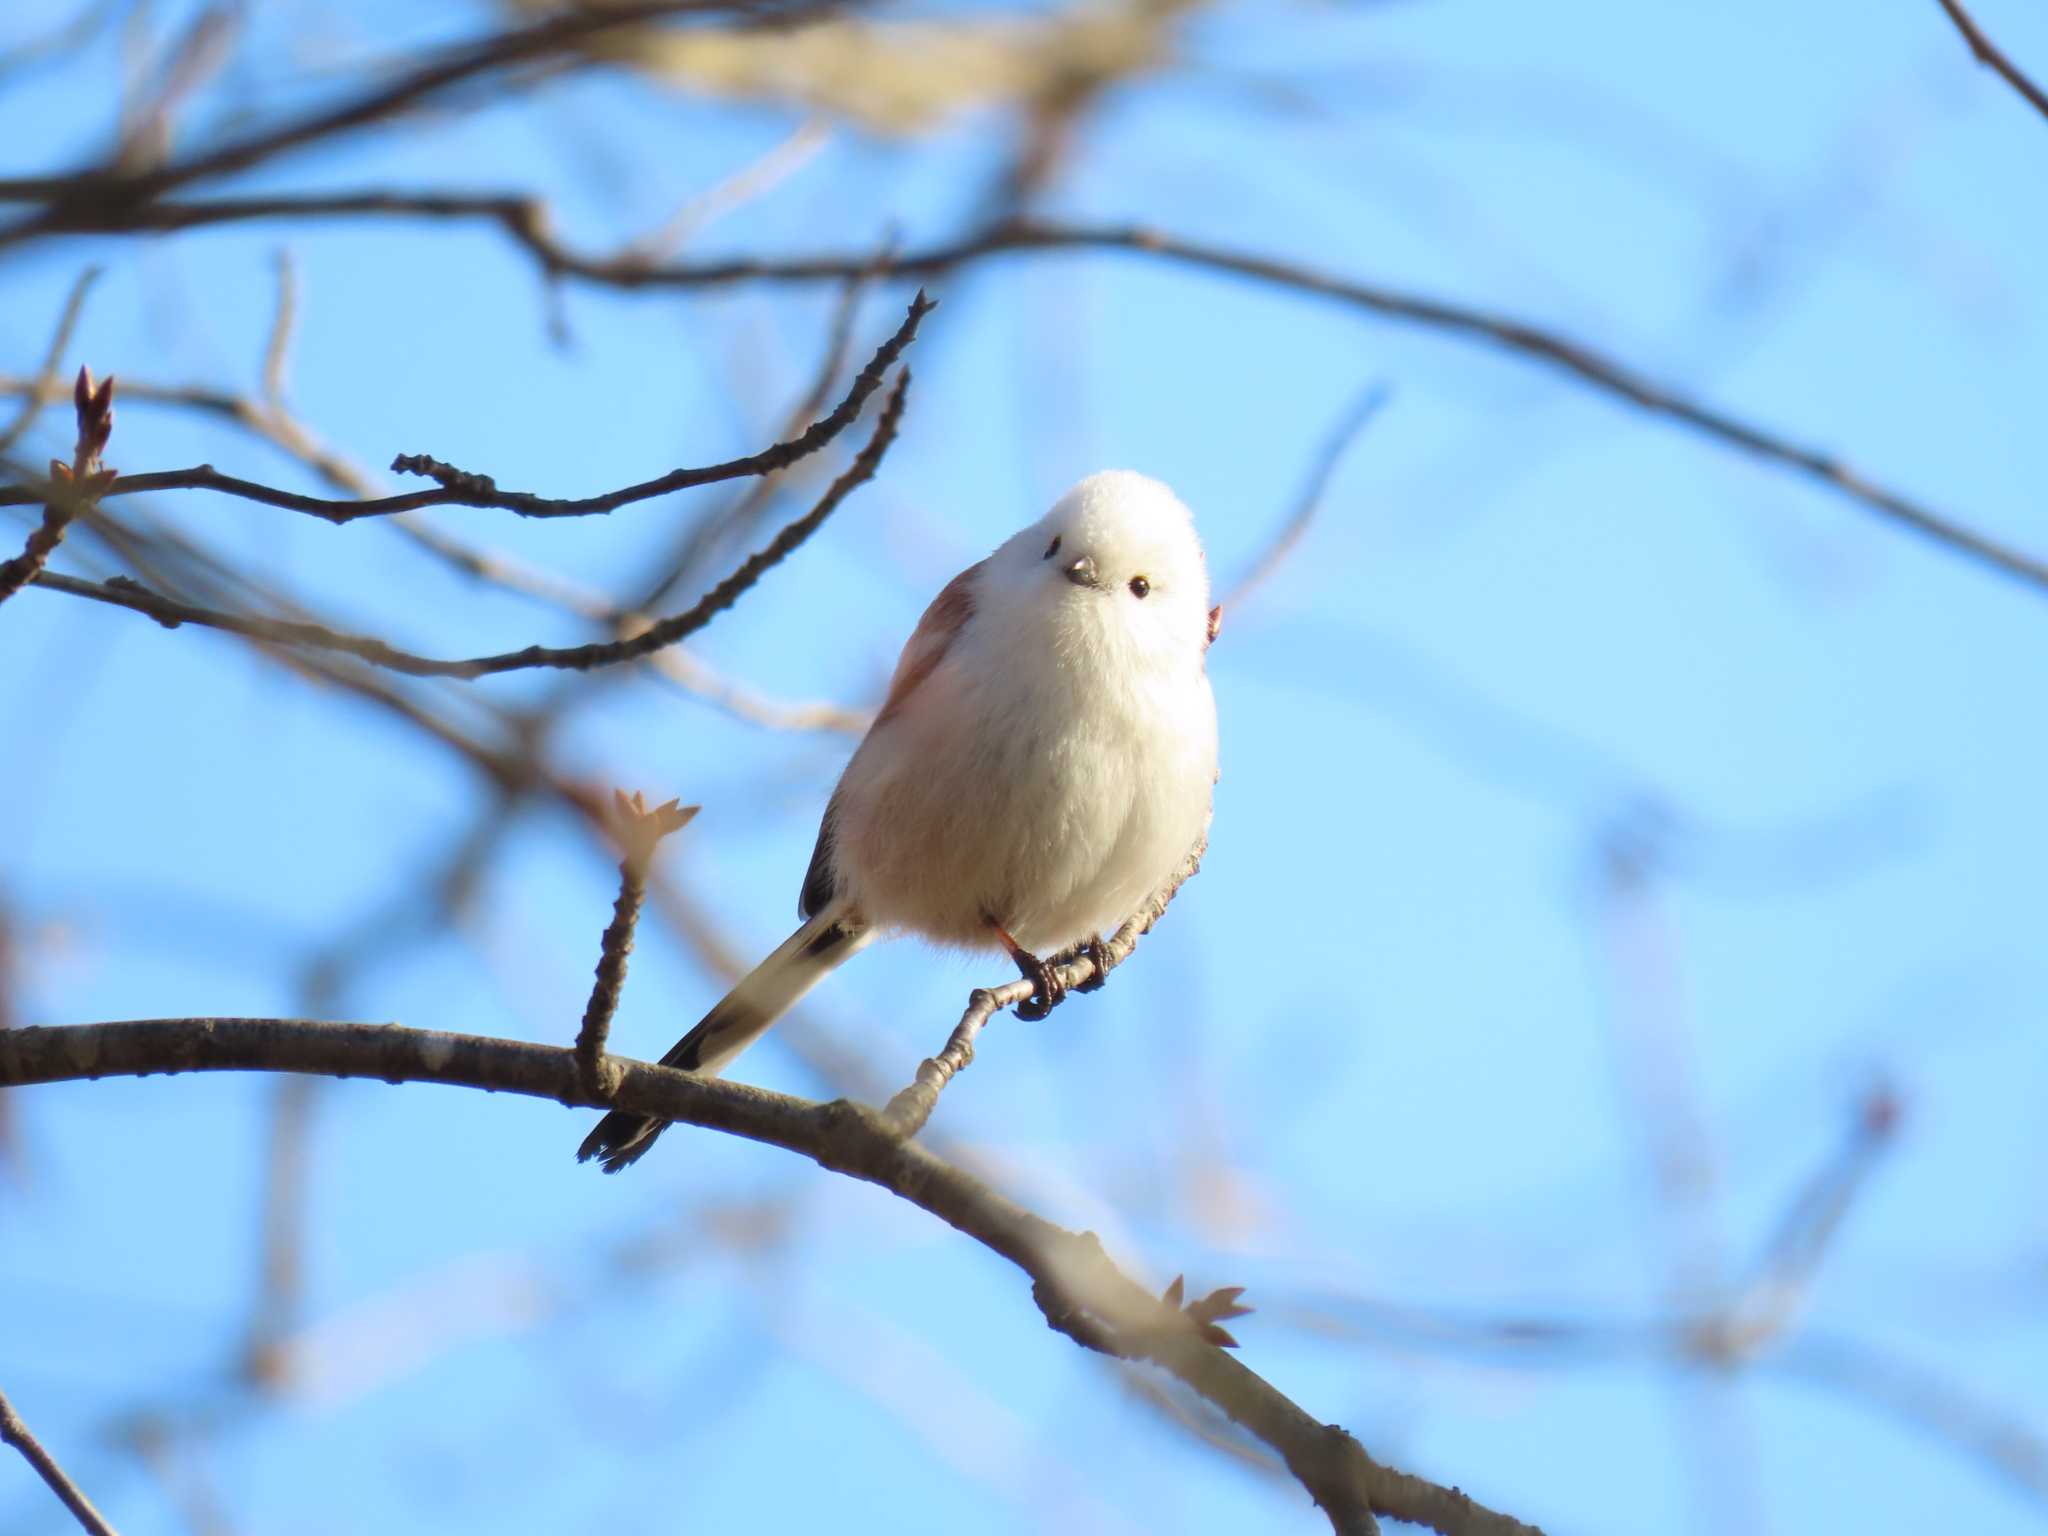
pixel 1116 562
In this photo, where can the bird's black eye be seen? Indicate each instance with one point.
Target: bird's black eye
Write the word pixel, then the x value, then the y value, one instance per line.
pixel 1053 548
pixel 1140 586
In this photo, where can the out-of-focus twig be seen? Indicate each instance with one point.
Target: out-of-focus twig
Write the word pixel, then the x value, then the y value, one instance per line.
pixel 148 117
pixel 281 1278
pixel 1357 416
pixel 1767 1306
pixel 47 387
pixel 761 175
pixel 98 195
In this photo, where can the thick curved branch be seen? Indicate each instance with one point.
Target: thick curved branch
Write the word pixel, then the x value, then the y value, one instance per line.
pixel 525 219
pixel 1080 1291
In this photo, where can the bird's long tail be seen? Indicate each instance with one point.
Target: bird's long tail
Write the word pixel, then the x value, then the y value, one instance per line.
pixel 745 1013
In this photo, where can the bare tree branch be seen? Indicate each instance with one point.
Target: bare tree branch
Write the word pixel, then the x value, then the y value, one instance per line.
pixel 15 1433
pixel 459 487
pixel 1081 1292
pixel 122 592
pixel 1992 57
pixel 525 219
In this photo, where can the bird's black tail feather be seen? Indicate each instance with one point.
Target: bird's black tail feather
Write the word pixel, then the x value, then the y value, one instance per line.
pixel 740 1018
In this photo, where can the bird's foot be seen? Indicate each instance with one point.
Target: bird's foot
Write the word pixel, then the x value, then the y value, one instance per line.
pixel 1047 990
pixel 1091 948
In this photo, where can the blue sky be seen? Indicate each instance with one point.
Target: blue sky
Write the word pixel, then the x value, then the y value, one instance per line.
pixel 1407 1048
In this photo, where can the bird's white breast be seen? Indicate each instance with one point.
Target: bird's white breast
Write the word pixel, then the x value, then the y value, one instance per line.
pixel 1048 777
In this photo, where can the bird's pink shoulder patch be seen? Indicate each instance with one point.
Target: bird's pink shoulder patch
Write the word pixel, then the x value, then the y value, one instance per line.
pixel 929 642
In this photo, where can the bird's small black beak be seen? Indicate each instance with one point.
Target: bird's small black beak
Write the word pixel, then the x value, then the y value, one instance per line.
pixel 1082 572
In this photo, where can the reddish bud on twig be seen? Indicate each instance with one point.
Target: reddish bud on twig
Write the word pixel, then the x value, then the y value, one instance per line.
pixel 95 408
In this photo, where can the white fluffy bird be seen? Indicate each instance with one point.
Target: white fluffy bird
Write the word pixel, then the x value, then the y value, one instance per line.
pixel 1042 763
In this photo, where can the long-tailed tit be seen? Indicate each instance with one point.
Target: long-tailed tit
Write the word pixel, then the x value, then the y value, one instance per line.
pixel 1042 763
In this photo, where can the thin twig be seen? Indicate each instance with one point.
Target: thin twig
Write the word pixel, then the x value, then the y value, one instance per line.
pixel 278 350
pixel 281 1276
pixel 1080 1291
pixel 752 180
pixel 123 592
pixel 48 386
pixel 1357 416
pixel 274 424
pixel 1763 1310
pixel 462 488
pixel 640 830
pixel 911 1108
pixel 700 539
pixel 73 487
pixel 1992 57
pixel 524 219
pixel 15 1433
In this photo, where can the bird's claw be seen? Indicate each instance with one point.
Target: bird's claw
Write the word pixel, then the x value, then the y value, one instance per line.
pixel 1095 951
pixel 1047 990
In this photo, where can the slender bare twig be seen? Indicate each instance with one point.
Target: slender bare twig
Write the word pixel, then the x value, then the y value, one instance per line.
pixel 640 831
pixel 269 418
pixel 1081 1292
pixel 1357 416
pixel 73 487
pixel 698 541
pixel 458 487
pixel 281 1276
pixel 524 219
pixel 760 175
pixel 1761 1311
pixel 277 351
pixel 910 1109
pixel 48 385
pixel 1992 57
pixel 15 1433
pixel 122 592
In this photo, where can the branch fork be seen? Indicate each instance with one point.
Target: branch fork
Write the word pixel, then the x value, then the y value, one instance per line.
pixel 73 488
